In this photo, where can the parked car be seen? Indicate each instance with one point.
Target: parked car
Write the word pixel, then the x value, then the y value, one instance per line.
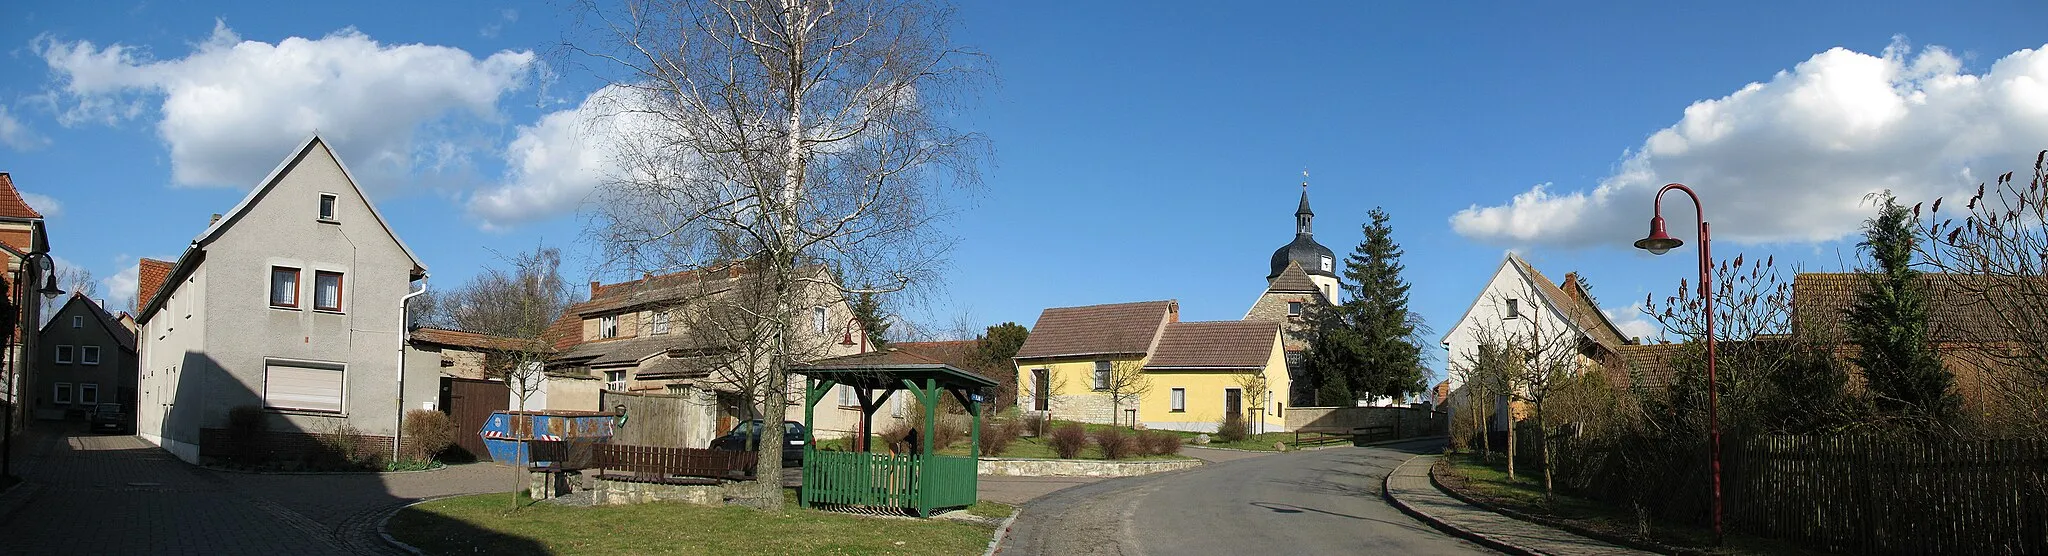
pixel 108 417
pixel 742 438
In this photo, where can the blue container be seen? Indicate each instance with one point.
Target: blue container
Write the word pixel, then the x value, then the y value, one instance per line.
pixel 511 435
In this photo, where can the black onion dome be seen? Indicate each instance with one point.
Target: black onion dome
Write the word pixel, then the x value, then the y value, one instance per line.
pixel 1306 251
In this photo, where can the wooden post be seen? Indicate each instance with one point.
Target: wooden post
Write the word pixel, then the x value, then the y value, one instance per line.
pixel 814 390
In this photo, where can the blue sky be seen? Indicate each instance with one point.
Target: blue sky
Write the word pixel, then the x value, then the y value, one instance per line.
pixel 1142 151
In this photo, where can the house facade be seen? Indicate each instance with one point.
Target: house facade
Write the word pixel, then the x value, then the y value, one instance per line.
pixel 1182 375
pixel 1518 301
pixel 89 359
pixel 21 233
pixel 292 302
pixel 662 334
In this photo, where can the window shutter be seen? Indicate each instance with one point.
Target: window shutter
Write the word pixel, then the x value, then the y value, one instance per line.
pixel 303 387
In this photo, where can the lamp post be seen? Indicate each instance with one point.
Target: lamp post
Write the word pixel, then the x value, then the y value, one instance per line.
pixel 14 321
pixel 1659 243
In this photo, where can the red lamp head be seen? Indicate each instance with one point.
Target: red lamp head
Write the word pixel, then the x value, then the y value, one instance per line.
pixel 1659 242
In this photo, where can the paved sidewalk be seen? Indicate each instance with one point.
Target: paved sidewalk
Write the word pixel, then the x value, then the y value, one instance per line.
pixel 1409 488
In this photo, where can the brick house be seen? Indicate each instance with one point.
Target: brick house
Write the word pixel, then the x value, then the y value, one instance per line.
pixel 21 233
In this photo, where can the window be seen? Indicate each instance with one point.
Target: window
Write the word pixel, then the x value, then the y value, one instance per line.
pixel 89 355
pixel 327 207
pixel 818 320
pixel 608 326
pixel 63 394
pixel 1180 400
pixel 615 381
pixel 326 291
pixel 77 322
pixel 1514 308
pixel 1327 263
pixel 847 397
pixel 284 287
pixel 660 322
pixel 1041 389
pixel 63 354
pixel 1101 375
pixel 303 386
pixel 89 394
pixel 1294 308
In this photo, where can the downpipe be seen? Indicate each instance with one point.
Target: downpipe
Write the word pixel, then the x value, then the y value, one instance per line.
pixel 404 339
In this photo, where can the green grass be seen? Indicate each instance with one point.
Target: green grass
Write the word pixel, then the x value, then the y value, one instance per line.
pixel 481 524
pixel 1489 483
pixel 996 510
pixel 1023 447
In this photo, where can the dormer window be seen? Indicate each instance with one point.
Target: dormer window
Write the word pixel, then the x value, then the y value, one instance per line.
pixel 327 207
pixel 608 326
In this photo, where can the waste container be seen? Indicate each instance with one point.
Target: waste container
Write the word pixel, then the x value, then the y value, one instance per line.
pixel 548 438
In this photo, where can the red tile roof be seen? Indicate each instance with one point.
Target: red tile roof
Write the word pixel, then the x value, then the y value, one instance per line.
pixel 1656 364
pixel 964 354
pixel 1230 344
pixel 472 340
pixel 149 277
pixel 11 205
pixel 1577 306
pixel 1960 307
pixel 1120 328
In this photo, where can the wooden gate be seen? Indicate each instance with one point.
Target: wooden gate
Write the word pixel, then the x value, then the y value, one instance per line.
pixel 470 403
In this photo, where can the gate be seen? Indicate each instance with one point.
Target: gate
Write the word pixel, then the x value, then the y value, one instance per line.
pixel 470 403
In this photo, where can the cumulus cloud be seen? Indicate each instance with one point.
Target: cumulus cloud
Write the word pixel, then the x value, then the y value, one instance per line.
pixel 1633 324
pixel 119 289
pixel 555 163
pixel 44 204
pixel 17 135
pixel 230 107
pixel 1790 160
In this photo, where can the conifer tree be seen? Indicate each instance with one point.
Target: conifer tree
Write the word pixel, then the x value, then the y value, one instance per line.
pixel 1888 324
pixel 1390 363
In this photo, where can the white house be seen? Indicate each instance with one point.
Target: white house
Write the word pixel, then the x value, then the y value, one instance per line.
pixel 292 302
pixel 1519 301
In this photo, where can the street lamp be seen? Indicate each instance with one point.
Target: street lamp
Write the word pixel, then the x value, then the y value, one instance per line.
pixel 13 320
pixel 1658 243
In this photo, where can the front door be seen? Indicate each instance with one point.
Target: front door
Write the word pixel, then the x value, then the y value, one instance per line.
pixel 1233 402
pixel 1041 389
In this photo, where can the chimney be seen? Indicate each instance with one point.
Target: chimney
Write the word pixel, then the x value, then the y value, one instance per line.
pixel 1172 311
pixel 1570 285
pixel 214 220
pixel 593 289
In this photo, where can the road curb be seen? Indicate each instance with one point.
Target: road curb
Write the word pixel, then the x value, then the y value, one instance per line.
pixel 995 541
pixel 384 524
pixel 1387 492
pixel 1566 527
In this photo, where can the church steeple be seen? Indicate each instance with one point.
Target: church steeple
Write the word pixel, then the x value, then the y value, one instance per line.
pixel 1314 258
pixel 1303 216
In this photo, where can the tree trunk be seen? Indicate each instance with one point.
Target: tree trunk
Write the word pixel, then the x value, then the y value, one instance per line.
pixel 1509 417
pixel 1479 423
pixel 1543 437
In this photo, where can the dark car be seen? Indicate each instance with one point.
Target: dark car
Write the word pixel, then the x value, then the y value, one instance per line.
pixel 108 417
pixel 744 437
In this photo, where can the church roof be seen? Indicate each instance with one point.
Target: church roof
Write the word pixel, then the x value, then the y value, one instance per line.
pixel 1303 209
pixel 1305 252
pixel 1292 280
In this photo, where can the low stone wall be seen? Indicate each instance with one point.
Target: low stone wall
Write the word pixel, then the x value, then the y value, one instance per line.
pixel 1029 467
pixel 604 492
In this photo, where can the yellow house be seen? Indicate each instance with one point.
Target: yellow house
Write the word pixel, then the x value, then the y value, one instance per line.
pixel 1136 362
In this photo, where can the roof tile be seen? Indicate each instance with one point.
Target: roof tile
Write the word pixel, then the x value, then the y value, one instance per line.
pixel 149 277
pixel 1120 328
pixel 11 203
pixel 1217 344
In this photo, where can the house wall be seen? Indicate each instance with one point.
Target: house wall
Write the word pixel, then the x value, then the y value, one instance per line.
pixel 1205 398
pixel 114 372
pixel 174 368
pixel 1074 397
pixel 1489 313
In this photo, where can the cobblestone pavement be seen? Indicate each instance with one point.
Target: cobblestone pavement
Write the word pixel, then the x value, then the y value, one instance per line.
pixel 1409 486
pixel 89 494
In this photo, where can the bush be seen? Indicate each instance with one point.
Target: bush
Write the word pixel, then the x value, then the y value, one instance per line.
pixel 997 436
pixel 1233 429
pixel 1068 440
pixel 1115 443
pixel 345 448
pixel 1037 423
pixel 430 432
pixel 1159 443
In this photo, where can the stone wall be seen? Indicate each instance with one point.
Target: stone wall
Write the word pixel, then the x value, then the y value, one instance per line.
pixel 1408 421
pixel 604 492
pixel 1028 467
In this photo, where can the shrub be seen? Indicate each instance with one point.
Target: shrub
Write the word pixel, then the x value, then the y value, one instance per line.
pixel 1037 423
pixel 1233 429
pixel 1068 440
pixel 1159 443
pixel 1115 443
pixel 430 432
pixel 345 448
pixel 996 436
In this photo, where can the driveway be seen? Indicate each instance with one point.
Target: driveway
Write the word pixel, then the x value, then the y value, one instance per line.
pixel 90 494
pixel 1317 502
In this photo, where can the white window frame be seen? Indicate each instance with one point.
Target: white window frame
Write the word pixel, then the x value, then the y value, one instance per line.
pixel 608 326
pixel 615 381
pixel 1328 263
pixel 1102 372
pixel 818 319
pixel 64 354
pixel 329 208
pixel 1294 308
pixel 658 324
pixel 847 397
pixel 89 388
pixel 88 355
pixel 61 393
pixel 1180 401
pixel 341 393
pixel 77 321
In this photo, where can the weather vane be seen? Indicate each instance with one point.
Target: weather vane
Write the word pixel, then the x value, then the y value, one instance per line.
pixel 1304 180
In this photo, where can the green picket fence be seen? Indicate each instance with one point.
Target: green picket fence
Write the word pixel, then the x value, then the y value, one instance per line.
pixel 914 483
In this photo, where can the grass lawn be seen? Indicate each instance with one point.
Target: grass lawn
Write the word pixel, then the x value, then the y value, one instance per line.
pixel 1474 478
pixel 481 524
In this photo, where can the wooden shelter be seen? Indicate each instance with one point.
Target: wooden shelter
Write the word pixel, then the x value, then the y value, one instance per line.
pixel 918 482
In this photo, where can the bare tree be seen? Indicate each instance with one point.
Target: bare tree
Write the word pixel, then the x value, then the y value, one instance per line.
pixel 1480 370
pixel 73 279
pixel 1254 386
pixel 517 302
pixel 1994 284
pixel 1126 384
pixel 788 134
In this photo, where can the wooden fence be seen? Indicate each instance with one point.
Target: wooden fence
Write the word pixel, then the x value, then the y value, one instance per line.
pixel 661 464
pixel 673 421
pixel 1865 495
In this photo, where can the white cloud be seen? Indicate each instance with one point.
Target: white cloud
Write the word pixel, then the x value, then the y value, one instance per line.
pixel 506 17
pixel 231 107
pixel 17 135
pixel 119 289
pixel 554 164
pixel 1791 160
pixel 44 204
pixel 1633 324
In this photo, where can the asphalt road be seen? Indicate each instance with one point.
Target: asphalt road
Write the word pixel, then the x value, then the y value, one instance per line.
pixel 1318 502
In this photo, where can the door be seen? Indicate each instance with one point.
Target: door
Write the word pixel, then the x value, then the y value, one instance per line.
pixel 1233 402
pixel 470 403
pixel 1041 389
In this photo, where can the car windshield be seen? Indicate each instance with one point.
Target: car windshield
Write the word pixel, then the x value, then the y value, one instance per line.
pixel 753 427
pixel 110 408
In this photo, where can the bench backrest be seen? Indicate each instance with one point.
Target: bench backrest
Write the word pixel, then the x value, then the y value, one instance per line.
pixel 685 462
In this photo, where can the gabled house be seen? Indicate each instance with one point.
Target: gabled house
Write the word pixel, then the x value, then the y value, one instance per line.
pixel 91 360
pixel 1519 301
pixel 21 233
pixel 661 335
pixel 294 302
pixel 1194 373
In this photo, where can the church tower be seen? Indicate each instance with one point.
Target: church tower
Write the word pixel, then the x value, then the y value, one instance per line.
pixel 1303 278
pixel 1318 261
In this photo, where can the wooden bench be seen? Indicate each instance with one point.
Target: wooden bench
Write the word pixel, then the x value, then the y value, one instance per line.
pixel 671 466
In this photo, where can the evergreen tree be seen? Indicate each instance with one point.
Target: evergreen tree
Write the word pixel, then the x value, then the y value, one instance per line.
pixel 1389 361
pixel 867 308
pixel 1888 325
pixel 1331 355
